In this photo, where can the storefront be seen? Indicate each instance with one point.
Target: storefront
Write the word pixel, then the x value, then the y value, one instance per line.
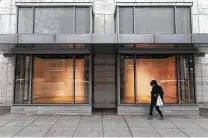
pixel 62 67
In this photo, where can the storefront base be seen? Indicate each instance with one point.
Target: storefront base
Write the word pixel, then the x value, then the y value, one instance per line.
pixel 52 110
pixel 167 110
pixel 4 109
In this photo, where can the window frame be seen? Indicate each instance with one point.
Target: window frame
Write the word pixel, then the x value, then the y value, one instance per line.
pixel 91 18
pixel 157 5
pixel 88 98
pixel 177 58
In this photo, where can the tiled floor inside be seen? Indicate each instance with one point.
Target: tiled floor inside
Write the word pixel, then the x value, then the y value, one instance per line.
pixel 102 125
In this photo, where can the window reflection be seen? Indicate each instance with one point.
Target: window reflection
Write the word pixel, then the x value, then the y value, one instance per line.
pixel 22 79
pixel 186 79
pixel 81 78
pixel 127 80
pixel 53 79
pixel 160 68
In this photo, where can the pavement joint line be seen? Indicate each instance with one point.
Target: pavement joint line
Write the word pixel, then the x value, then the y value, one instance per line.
pixel 199 125
pixel 128 126
pixel 102 124
pixel 154 128
pixel 52 126
pixel 77 125
pixel 25 126
pixel 179 128
pixel 10 121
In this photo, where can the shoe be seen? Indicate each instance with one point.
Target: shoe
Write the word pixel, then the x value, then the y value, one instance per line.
pixel 161 118
pixel 149 117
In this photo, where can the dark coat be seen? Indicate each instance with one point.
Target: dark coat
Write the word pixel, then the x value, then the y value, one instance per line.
pixel 157 90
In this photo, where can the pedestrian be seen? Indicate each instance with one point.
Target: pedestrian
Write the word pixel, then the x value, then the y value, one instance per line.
pixel 156 91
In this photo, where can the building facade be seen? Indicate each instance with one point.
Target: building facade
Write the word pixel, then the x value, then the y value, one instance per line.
pixel 72 56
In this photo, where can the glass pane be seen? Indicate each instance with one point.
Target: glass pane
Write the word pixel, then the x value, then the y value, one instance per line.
pixel 161 68
pixel 25 21
pixel 126 20
pixel 186 79
pixel 154 20
pixel 22 79
pixel 54 20
pixel 82 20
pixel 127 79
pixel 183 20
pixel 81 79
pixel 52 79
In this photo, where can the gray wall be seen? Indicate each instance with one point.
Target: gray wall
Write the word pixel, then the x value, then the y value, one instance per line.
pixel 104 81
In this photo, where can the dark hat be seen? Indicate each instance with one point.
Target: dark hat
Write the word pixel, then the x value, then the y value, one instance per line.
pixel 153 82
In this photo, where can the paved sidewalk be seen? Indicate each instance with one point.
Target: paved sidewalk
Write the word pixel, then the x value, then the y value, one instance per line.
pixel 102 126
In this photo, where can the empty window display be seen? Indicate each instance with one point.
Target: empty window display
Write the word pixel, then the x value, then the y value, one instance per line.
pixel 174 73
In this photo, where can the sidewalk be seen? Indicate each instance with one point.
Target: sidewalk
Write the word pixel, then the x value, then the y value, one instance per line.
pixel 102 126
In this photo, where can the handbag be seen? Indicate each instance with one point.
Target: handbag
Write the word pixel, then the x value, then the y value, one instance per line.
pixel 159 101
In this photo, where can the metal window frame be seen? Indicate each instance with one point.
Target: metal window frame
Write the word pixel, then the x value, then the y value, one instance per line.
pixel 155 4
pixel 118 79
pixel 14 79
pixel 135 80
pixel 175 21
pixel 17 20
pixel 177 77
pixel 194 74
pixel 59 5
pixel 74 83
pixel 30 103
pixel 31 77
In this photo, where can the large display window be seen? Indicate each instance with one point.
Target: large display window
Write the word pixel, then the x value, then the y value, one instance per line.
pixel 52 79
pixel 173 72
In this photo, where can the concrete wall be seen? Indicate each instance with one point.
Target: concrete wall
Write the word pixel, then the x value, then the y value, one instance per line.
pixel 104 24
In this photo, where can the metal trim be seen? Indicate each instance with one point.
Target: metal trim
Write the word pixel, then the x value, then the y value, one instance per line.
pixel 35 51
pixel 35 38
pixel 14 79
pixel 80 39
pixel 117 24
pixel 90 79
pixel 173 38
pixel 191 20
pixel 135 81
pixel 134 21
pixel 127 4
pixel 54 4
pixel 74 21
pixel 33 20
pixel 50 104
pixel 156 51
pixel 178 78
pixel 175 23
pixel 17 19
pixel 136 38
pixel 73 87
pixel 118 80
pixel 91 20
pixel 31 77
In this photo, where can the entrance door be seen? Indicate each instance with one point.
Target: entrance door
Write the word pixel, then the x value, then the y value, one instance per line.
pixel 104 81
